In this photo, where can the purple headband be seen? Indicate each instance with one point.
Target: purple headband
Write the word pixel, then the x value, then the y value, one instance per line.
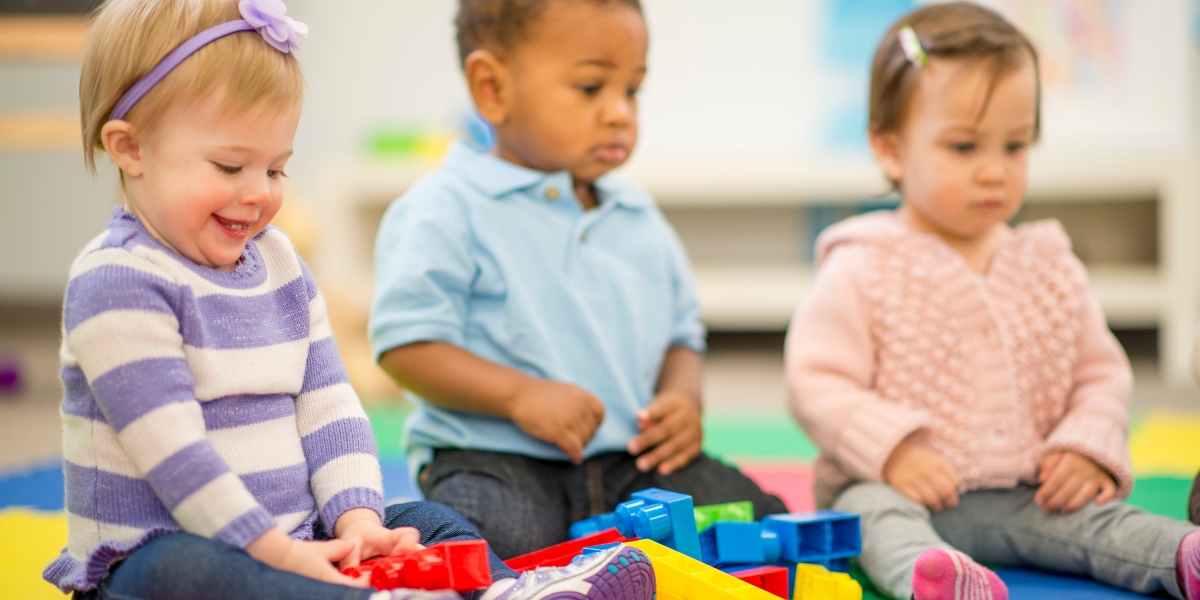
pixel 268 17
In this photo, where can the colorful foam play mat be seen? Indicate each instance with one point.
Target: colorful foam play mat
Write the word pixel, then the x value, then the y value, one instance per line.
pixel 768 447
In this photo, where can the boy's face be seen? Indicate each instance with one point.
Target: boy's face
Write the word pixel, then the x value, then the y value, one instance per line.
pixel 572 97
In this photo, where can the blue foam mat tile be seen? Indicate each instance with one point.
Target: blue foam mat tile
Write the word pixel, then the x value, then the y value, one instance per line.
pixel 1024 584
pixel 397 485
pixel 39 487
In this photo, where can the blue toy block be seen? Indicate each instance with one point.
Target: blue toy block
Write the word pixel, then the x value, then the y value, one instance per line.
pixel 591 525
pixel 665 517
pixel 730 543
pixel 599 548
pixel 817 537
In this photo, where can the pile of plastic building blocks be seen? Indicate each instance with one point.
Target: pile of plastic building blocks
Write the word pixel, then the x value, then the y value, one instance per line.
pixel 719 552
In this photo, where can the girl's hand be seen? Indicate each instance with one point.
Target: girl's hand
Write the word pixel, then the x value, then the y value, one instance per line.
pixel 309 559
pixel 670 435
pixel 362 528
pixel 1070 480
pixel 923 476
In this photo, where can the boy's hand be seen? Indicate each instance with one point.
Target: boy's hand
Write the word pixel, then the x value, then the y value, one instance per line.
pixel 362 527
pixel 559 413
pixel 1070 480
pixel 923 476
pixel 309 559
pixel 670 433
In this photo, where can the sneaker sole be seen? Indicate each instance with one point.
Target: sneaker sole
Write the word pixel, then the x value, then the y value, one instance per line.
pixel 628 575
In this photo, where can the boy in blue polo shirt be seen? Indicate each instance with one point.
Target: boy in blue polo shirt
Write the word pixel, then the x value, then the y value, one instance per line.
pixel 543 315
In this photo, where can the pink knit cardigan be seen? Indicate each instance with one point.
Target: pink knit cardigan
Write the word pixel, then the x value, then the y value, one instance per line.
pixel 899 337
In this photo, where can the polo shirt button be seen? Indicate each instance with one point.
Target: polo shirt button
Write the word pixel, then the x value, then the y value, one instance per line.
pixel 552 193
pixel 583 237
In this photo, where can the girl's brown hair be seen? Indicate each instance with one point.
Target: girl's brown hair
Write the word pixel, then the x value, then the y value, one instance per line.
pixel 957 30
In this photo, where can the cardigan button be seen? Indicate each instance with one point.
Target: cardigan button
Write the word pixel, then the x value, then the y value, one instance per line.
pixel 999 432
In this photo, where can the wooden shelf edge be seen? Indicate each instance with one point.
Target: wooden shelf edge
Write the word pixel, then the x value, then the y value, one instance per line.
pixel 43 37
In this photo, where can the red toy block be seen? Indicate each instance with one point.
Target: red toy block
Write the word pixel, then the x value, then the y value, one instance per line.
pixel 770 579
pixel 459 566
pixel 560 555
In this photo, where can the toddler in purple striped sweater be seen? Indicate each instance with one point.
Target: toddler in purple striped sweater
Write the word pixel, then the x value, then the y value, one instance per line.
pixel 213 446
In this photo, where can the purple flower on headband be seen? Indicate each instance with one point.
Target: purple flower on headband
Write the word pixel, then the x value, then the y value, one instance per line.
pixel 270 18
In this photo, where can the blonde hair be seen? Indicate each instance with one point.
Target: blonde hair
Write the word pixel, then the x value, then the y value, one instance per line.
pixel 129 37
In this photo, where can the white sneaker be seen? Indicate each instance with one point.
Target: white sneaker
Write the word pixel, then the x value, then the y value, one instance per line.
pixel 619 573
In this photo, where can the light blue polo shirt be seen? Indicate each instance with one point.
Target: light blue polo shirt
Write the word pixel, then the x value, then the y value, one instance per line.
pixel 502 261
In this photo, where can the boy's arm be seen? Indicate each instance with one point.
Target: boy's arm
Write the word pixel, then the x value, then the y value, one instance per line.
pixel 425 278
pixel 451 377
pixel 335 434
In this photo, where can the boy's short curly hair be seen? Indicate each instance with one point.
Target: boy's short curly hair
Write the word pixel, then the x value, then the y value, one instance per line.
pixel 504 23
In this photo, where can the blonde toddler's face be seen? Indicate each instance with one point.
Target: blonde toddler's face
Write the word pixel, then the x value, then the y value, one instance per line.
pixel 209 179
pixel 574 98
pixel 962 167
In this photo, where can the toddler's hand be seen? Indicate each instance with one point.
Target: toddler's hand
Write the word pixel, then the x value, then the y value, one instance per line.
pixel 361 527
pixel 1070 480
pixel 670 433
pixel 559 413
pixel 309 559
pixel 923 476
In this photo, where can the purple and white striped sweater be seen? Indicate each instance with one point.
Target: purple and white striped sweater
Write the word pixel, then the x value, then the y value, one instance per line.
pixel 199 400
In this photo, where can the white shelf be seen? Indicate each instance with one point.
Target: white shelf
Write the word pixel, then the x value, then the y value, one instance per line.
pixel 752 297
pixel 698 179
pixel 785 179
pixel 762 297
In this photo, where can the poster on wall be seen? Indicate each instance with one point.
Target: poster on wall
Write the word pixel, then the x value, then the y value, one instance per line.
pixel 1116 74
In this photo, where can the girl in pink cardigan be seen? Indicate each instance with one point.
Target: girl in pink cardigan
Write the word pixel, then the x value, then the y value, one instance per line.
pixel 957 374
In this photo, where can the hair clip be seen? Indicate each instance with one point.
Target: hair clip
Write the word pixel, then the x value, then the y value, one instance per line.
pixel 912 47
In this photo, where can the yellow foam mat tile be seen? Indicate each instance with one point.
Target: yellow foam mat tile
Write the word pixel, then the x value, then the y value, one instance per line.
pixel 32 539
pixel 1166 443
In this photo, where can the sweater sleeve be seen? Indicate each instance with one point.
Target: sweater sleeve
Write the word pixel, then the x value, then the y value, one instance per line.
pixel 334 431
pixel 121 326
pixel 830 363
pixel 1097 417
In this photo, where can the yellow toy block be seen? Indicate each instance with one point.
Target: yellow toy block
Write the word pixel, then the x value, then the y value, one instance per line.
pixel 814 582
pixel 681 577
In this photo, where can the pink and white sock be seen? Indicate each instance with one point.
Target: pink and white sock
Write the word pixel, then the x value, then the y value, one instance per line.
pixel 1189 565
pixel 950 575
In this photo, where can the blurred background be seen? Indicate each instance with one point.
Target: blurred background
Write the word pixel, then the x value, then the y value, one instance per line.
pixel 753 140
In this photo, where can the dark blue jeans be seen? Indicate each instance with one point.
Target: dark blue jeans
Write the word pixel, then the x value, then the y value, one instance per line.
pixel 184 566
pixel 522 504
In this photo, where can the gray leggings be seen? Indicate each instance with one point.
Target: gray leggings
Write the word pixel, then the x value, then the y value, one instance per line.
pixel 1115 543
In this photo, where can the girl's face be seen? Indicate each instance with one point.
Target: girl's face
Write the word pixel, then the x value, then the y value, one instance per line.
pixel 962 165
pixel 206 180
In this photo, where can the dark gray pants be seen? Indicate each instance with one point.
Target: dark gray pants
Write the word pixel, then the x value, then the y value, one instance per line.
pixel 521 504
pixel 1115 543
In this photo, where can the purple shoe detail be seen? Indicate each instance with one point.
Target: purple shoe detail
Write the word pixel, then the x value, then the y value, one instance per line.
pixel 620 573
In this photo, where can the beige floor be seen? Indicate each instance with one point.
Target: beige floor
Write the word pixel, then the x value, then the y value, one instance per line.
pixel 744 373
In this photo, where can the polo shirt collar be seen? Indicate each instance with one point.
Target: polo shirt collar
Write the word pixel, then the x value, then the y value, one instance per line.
pixel 496 177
